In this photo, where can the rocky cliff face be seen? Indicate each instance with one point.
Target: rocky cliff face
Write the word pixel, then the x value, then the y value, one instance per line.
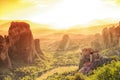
pixel 4 57
pixel 19 45
pixel 96 43
pixel 64 42
pixel 90 60
pixel 111 37
pixel 21 42
pixel 38 48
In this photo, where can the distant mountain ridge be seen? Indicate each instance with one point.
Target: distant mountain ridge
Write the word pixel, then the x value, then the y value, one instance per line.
pixel 6 23
pixel 91 29
pixel 36 27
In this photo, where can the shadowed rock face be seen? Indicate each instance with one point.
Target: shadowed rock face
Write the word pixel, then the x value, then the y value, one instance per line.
pixel 105 35
pixel 4 57
pixel 37 46
pixel 96 43
pixel 64 43
pixel 38 49
pixel 21 42
pixel 86 65
pixel 111 36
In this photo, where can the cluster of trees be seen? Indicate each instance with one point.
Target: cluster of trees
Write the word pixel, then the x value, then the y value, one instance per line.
pixel 107 72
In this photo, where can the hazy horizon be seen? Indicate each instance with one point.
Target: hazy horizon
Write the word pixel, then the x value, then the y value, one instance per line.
pixel 62 14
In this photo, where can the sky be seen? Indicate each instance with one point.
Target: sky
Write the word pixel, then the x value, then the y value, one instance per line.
pixel 60 14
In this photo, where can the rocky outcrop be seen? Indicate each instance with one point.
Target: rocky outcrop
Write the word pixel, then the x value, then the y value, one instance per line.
pixel 96 43
pixel 4 57
pixel 86 56
pixel 106 37
pixel 64 43
pixel 19 45
pixel 90 60
pixel 38 48
pixel 22 45
pixel 111 37
pixel 100 62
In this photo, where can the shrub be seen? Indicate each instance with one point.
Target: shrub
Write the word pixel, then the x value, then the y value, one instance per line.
pixel 107 72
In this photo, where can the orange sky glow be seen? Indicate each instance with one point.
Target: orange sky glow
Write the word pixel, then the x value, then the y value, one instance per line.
pixel 60 14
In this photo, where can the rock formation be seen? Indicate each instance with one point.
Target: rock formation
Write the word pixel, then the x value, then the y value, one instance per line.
pixel 111 37
pixel 64 43
pixel 96 43
pixel 90 60
pixel 4 57
pixel 22 45
pixel 38 48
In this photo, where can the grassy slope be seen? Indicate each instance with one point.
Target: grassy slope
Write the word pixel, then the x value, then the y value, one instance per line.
pixel 57 70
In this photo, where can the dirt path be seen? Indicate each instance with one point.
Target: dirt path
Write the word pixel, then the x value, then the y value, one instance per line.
pixel 58 70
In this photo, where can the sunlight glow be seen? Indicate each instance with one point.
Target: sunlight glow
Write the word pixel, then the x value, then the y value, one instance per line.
pixel 73 12
pixel 63 14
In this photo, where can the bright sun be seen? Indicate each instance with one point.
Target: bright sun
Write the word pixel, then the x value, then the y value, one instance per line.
pixel 72 12
pixel 63 13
